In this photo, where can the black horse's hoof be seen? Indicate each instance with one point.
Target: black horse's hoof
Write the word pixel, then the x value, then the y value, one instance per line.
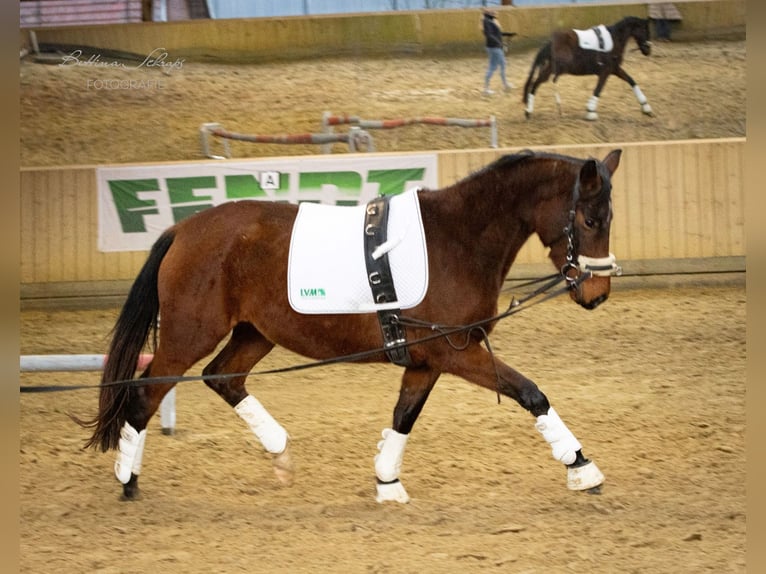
pixel 130 497
pixel 594 490
pixel 130 490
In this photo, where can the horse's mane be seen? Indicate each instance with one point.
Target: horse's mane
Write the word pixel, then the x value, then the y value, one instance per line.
pixel 511 160
pixel 630 21
pixel 516 158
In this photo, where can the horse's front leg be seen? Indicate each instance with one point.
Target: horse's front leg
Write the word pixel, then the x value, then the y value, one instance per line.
pixel 417 383
pixel 645 107
pixel 478 366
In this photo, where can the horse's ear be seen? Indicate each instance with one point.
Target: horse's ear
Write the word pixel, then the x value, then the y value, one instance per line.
pixel 612 160
pixel 590 181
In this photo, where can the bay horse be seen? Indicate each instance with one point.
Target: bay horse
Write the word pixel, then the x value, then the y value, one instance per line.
pixel 562 54
pixel 223 271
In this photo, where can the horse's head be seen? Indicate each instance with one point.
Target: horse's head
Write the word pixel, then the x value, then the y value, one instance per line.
pixel 583 255
pixel 640 32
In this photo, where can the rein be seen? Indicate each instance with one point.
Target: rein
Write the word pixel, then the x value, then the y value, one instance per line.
pixel 440 331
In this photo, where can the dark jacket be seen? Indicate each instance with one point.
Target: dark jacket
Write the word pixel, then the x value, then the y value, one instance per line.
pixel 492 33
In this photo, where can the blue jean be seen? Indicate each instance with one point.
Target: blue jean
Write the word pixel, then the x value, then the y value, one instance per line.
pixel 496 60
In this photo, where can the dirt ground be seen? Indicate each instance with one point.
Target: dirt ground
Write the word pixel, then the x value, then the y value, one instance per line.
pixel 77 114
pixel 652 383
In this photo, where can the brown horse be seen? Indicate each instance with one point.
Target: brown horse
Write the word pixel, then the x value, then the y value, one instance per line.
pixel 224 271
pixel 563 54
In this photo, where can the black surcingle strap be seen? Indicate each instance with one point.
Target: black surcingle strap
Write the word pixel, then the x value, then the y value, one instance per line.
pixel 600 37
pixel 382 281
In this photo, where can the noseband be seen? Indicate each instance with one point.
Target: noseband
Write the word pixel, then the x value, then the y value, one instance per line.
pixel 578 267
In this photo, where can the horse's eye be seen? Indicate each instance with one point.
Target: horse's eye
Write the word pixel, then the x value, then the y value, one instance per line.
pixel 589 223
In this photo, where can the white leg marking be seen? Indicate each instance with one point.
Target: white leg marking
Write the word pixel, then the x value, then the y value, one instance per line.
pixel 645 107
pixel 272 435
pixel 168 412
pixel 388 465
pixel 530 103
pixel 563 443
pixel 591 107
pixel 131 451
pixel 639 94
pixel 388 462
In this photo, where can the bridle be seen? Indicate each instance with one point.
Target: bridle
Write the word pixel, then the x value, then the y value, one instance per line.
pixel 579 267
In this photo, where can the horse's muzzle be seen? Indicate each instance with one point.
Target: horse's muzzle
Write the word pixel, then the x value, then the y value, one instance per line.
pixel 590 305
pixel 646 48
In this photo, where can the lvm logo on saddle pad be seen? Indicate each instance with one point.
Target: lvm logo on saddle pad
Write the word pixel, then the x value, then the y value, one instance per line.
pixel 326 268
pixel 313 293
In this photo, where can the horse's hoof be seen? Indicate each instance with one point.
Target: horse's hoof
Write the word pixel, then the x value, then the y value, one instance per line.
pixel 130 489
pixel 391 492
pixel 591 116
pixel 283 466
pixel 527 114
pixel 130 494
pixel 585 477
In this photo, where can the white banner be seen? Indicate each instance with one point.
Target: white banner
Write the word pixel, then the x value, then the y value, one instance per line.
pixel 137 203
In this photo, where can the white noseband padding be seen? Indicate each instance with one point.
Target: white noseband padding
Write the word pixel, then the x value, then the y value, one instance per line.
pixel 131 452
pixel 603 266
pixel 563 443
pixel 388 462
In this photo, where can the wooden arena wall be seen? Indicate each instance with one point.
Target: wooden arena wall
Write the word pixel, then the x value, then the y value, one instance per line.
pixel 678 207
pixel 429 31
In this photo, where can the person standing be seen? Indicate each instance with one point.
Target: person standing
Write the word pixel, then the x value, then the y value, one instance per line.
pixel 663 14
pixel 493 40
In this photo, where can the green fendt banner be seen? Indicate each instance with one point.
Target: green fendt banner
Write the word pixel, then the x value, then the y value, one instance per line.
pixel 137 203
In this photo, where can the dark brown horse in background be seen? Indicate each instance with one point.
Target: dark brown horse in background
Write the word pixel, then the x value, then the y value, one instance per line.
pixel 223 271
pixel 563 55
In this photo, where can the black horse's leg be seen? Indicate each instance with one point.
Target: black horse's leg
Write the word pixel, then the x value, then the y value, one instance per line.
pixel 143 403
pixel 645 107
pixel 417 383
pixel 591 113
pixel 542 77
pixel 243 350
pixel 477 366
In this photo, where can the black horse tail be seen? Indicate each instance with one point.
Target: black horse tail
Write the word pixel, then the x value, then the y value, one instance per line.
pixel 136 321
pixel 543 56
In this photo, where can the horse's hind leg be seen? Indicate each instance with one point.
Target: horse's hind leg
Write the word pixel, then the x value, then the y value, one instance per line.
pixel 144 401
pixel 590 108
pixel 244 349
pixel 542 77
pixel 416 386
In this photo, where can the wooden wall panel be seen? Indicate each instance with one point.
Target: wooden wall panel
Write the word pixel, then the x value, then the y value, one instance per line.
pixel 671 200
pixel 420 31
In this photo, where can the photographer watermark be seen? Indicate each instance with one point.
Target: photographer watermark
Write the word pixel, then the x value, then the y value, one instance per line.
pixel 157 59
pixel 123 84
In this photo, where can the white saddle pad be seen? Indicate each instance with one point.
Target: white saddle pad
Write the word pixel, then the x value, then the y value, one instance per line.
pixel 589 39
pixel 326 272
